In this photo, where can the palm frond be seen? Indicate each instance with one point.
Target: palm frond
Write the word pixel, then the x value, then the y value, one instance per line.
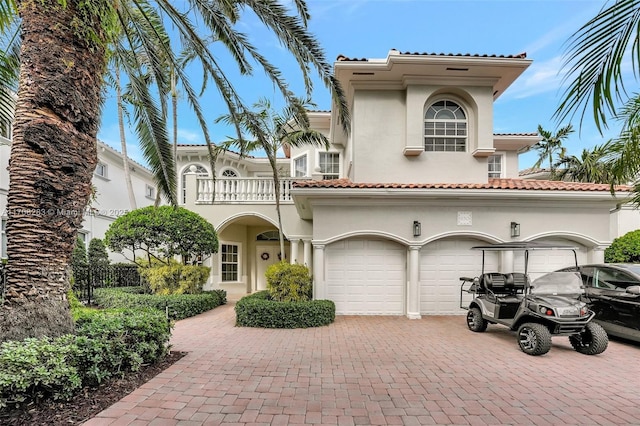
pixel 594 63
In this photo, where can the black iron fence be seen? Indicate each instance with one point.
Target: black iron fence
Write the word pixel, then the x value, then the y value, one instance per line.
pixel 88 278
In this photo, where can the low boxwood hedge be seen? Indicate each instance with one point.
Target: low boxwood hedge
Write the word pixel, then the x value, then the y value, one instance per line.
pixel 179 306
pixel 258 310
pixel 106 344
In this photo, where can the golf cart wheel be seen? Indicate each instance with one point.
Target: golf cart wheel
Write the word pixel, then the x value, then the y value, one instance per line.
pixel 534 339
pixel 475 322
pixel 592 341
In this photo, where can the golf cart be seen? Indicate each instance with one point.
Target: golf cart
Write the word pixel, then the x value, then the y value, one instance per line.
pixel 547 306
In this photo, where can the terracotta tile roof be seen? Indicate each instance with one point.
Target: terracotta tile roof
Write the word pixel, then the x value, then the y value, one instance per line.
pixel 516 134
pixel 533 171
pixel 517 184
pixel 343 58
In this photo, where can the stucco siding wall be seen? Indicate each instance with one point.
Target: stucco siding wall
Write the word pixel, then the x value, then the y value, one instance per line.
pixel 438 219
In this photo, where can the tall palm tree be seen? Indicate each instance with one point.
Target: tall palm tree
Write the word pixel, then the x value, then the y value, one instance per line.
pixel 57 113
pixel 269 131
pixel 550 144
pixel 592 165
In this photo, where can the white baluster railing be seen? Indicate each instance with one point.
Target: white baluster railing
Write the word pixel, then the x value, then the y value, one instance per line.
pixel 243 190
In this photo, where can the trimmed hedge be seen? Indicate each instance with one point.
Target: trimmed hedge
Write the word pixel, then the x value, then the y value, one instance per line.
pixel 106 344
pixel 258 310
pixel 179 306
pixel 624 249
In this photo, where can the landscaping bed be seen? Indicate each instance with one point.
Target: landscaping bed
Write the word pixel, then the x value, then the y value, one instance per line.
pixel 89 401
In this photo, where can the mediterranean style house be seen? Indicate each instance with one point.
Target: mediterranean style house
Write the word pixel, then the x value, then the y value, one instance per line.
pixel 110 200
pixel 387 216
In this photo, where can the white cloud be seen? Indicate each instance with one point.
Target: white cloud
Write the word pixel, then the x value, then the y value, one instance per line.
pixel 186 136
pixel 541 77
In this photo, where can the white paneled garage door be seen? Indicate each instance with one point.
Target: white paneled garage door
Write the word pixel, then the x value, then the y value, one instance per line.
pixel 366 277
pixel 442 263
pixel 543 261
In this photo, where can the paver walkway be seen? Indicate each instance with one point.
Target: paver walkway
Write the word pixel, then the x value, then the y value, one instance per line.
pixel 376 371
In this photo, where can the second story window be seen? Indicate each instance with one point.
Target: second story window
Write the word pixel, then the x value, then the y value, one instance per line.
pixel 101 170
pixel 445 127
pixel 495 166
pixel 149 191
pixel 300 166
pixel 200 171
pixel 5 130
pixel 329 163
pixel 228 173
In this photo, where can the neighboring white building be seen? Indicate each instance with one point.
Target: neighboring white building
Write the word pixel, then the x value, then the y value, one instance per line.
pixel 111 199
pixel 387 216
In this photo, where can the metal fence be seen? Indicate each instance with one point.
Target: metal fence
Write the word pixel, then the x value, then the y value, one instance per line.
pixel 88 278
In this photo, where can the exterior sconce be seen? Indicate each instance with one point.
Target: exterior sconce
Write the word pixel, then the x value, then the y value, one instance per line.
pixel 417 228
pixel 515 229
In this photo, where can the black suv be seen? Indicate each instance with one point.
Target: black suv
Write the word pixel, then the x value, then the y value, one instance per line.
pixel 613 293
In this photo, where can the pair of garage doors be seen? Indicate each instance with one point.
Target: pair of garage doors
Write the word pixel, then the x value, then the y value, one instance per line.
pixel 369 277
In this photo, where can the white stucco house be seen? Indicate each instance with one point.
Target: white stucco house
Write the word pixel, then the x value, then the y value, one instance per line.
pixel 387 216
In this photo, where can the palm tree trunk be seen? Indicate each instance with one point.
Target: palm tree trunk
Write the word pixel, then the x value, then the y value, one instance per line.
pixel 174 110
pixel 53 157
pixel 123 143
pixel 276 189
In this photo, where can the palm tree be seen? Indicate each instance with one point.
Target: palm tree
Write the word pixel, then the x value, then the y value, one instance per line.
pixel 592 165
pixel 271 130
pixel 550 144
pixel 58 109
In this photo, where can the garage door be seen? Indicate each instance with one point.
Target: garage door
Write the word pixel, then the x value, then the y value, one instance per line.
pixel 366 277
pixel 543 261
pixel 442 263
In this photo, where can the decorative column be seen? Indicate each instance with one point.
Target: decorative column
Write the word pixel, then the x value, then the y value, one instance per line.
pixel 307 261
pixel 596 254
pixel 413 284
pixel 506 262
pixel 294 251
pixel 319 291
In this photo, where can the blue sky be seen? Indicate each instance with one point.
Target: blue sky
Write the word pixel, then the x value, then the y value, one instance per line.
pixel 370 28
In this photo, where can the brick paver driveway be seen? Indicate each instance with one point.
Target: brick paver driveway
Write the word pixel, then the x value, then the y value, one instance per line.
pixel 376 371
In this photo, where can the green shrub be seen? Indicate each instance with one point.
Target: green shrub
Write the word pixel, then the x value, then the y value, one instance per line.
pixel 625 249
pixel 289 282
pixel 111 342
pixel 259 310
pixel 106 344
pixel 178 306
pixel 33 369
pixel 175 278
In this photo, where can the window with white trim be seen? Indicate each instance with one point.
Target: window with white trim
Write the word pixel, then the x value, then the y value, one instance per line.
pixel 101 170
pixel 230 262
pixel 149 191
pixel 300 166
pixel 229 173
pixel 329 163
pixel 200 171
pixel 494 164
pixel 445 127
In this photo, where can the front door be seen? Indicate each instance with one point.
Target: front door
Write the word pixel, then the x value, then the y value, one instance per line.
pixel 265 257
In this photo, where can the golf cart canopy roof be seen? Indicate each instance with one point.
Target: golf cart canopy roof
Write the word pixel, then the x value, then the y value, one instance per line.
pixel 523 245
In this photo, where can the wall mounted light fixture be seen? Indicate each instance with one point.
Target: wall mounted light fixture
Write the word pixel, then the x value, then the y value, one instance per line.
pixel 515 229
pixel 417 228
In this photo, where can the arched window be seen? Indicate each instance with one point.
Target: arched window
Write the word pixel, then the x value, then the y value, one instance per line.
pixel 229 173
pixel 445 127
pixel 199 170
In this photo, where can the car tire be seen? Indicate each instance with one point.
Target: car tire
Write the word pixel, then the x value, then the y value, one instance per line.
pixel 475 322
pixel 592 341
pixel 534 338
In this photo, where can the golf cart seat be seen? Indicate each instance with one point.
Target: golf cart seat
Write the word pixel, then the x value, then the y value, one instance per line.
pixel 493 283
pixel 515 282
